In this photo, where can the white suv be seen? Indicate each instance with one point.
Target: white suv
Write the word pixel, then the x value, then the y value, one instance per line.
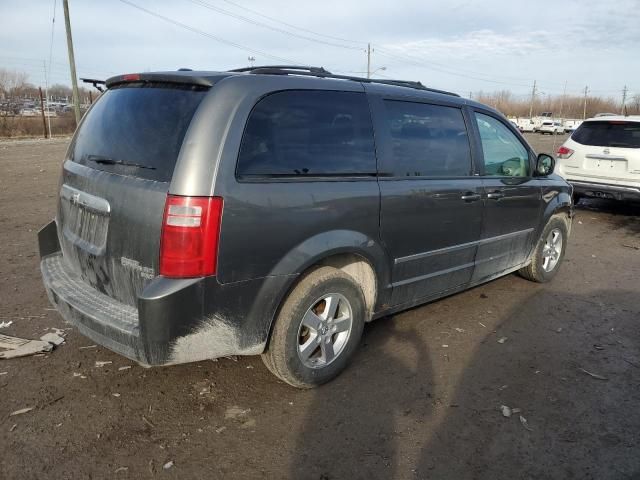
pixel 602 158
pixel 552 128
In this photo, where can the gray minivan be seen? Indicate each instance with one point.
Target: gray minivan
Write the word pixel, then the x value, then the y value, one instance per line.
pixel 276 210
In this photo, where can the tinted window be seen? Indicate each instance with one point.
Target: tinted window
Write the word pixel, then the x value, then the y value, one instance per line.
pixel 427 140
pixel 137 130
pixel 504 154
pixel 308 133
pixel 608 134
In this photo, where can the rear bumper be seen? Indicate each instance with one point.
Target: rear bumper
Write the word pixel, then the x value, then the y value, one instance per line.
pixel 175 321
pixel 97 316
pixel 601 190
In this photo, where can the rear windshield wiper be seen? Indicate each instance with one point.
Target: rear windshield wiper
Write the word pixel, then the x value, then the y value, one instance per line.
pixel 113 161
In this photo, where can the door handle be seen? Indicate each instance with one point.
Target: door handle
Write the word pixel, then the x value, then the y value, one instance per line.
pixel 495 195
pixel 470 197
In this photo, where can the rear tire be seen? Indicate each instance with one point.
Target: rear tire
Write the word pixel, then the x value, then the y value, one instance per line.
pixel 318 329
pixel 549 251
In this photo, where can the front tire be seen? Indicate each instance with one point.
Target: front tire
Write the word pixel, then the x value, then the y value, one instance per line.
pixel 549 251
pixel 318 329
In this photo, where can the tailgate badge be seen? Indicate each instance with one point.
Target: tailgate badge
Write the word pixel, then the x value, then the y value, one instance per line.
pixel 606 151
pixel 145 272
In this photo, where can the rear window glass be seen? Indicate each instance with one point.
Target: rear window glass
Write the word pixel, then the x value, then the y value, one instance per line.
pixel 137 130
pixel 307 132
pixel 428 140
pixel 608 134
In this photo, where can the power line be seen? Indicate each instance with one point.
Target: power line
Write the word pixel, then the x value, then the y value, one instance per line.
pixel 426 65
pixel 204 4
pixel 275 20
pixel 207 34
pixel 439 67
pixel 443 68
pixel 59 66
pixel 430 63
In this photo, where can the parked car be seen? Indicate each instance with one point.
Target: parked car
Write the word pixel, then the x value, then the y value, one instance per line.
pixel 538 120
pixel 552 128
pixel 570 125
pixel 602 158
pixel 205 214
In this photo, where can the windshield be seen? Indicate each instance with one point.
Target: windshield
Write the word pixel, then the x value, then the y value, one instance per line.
pixel 609 134
pixel 137 130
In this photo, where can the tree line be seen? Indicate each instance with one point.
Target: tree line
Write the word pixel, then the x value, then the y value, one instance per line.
pixel 562 106
pixel 15 85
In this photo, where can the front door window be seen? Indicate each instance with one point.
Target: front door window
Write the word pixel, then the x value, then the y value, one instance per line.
pixel 504 154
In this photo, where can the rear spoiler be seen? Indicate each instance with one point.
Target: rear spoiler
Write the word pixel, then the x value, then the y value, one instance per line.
pixel 159 78
pixel 96 83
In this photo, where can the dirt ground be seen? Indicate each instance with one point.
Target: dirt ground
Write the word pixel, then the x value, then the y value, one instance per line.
pixel 421 400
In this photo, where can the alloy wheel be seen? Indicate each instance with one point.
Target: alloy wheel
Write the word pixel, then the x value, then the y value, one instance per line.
pixel 552 250
pixel 324 330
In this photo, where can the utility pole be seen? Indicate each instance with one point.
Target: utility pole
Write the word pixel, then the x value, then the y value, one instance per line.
pixel 533 98
pixel 564 94
pixel 46 95
pixel 44 121
pixel 624 99
pixel 72 62
pixel 584 111
pixel 368 60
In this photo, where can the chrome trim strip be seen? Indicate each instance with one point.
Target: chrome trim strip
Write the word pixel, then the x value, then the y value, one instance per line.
pixel 91 202
pixel 604 157
pixel 484 241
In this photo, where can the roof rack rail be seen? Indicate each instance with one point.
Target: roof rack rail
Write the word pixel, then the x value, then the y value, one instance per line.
pixel 321 72
pixel 293 68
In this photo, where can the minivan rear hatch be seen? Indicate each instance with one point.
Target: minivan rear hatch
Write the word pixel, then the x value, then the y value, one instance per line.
pixel 115 182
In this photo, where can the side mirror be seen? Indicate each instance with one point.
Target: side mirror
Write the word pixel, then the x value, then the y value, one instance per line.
pixel 545 165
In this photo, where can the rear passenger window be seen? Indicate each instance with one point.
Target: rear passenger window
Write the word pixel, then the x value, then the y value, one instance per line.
pixel 308 132
pixel 427 140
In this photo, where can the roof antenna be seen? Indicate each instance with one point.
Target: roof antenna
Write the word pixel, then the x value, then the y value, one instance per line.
pixel 183 69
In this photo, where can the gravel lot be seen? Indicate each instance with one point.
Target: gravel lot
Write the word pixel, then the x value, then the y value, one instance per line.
pixel 422 399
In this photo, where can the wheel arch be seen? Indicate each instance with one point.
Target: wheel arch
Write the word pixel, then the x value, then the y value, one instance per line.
pixel 559 205
pixel 366 262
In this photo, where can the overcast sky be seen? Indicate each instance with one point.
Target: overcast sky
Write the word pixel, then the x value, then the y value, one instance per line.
pixel 459 45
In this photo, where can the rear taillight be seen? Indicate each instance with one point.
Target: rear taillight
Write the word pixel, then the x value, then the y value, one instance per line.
pixel 190 233
pixel 564 152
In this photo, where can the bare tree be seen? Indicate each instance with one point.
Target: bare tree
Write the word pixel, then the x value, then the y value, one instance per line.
pixel 572 105
pixel 12 82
